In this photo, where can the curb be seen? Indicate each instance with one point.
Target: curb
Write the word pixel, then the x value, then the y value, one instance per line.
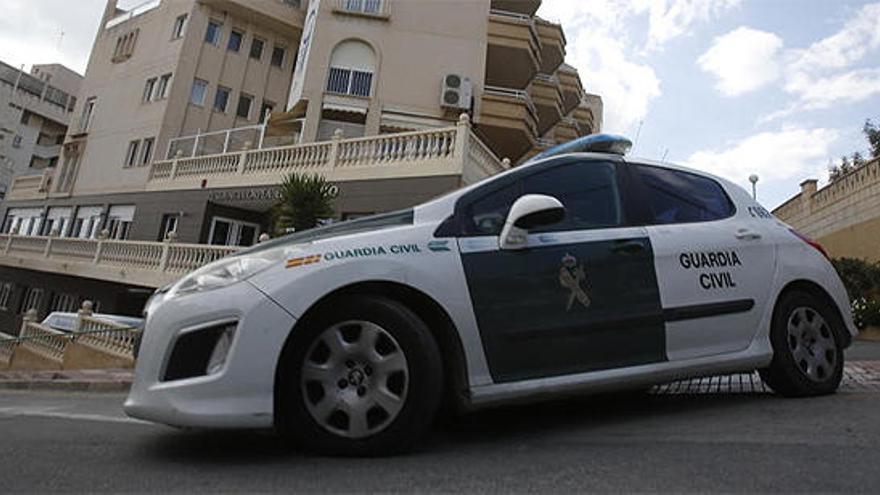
pixel 66 385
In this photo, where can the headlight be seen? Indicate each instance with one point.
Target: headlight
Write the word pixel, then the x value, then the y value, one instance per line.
pixel 227 271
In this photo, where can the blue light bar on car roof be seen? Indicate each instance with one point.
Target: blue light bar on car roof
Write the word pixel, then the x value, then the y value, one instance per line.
pixel 598 143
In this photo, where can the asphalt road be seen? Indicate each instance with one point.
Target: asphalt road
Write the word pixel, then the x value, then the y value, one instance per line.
pixel 710 442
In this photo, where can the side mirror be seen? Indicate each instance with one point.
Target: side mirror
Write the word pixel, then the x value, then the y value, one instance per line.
pixel 528 212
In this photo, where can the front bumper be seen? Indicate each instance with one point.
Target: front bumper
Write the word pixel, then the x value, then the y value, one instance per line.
pixel 240 395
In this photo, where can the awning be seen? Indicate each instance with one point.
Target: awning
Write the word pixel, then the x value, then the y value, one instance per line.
pixel 342 107
pixel 287 123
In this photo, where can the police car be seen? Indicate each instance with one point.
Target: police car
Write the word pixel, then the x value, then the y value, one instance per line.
pixel 581 271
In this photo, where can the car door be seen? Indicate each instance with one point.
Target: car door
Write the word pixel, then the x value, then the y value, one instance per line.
pixel 580 296
pixel 714 264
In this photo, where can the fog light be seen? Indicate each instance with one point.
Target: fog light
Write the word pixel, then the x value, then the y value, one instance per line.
pixel 221 351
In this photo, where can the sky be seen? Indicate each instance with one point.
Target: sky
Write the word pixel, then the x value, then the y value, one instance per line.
pixel 777 88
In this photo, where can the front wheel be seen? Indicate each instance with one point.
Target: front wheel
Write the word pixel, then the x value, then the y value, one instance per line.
pixel 365 379
pixel 807 352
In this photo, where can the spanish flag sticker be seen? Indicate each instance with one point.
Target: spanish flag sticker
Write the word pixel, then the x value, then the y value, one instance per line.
pixel 304 260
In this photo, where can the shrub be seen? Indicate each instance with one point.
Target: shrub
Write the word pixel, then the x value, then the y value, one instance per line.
pixel 861 279
pixel 866 313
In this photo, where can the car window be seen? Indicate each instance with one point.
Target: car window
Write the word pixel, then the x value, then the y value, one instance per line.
pixel 588 190
pixel 486 216
pixel 674 196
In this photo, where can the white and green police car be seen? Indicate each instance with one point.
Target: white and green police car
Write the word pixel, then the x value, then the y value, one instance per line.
pixel 581 271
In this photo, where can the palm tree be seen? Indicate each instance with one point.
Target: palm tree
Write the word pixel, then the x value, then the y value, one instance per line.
pixel 305 199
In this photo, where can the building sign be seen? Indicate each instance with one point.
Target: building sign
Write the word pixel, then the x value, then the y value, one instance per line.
pixel 263 194
pixel 302 59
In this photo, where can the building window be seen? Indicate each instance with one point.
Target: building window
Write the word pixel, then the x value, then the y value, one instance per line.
pixel 149 88
pixel 125 46
pixel 119 220
pixel 234 44
pixel 85 121
pixel 352 65
pixel 179 28
pixel 169 224
pixel 31 300
pixel 227 232
pixel 16 141
pixel 244 106
pixel 132 153
pixel 5 295
pixel 147 150
pixel 212 35
pixel 197 95
pixel 348 81
pixel 278 56
pixel 266 109
pixel 163 87
pixel 64 302
pixel 257 48
pixel 25 117
pixel 221 99
pixel 363 6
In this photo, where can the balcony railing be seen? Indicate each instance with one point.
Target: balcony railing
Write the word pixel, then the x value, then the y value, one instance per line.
pixel 26 187
pixel 401 154
pixel 134 12
pixel 150 264
pixel 520 19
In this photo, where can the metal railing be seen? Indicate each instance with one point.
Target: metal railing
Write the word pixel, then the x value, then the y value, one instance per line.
pixel 216 142
pixel 368 7
pixel 134 12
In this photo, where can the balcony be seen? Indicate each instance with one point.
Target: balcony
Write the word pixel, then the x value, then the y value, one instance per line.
pixel 30 187
pixel 553 42
pixel 546 92
pixel 47 151
pixel 148 264
pixel 514 52
pixel 572 88
pixel 509 121
pixel 525 7
pixel 582 117
pixel 281 15
pixel 436 152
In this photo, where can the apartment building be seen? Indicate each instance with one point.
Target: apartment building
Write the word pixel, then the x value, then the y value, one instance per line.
pixel 35 111
pixel 193 111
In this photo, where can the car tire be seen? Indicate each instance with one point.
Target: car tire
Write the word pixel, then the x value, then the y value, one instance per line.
pixel 363 379
pixel 807 349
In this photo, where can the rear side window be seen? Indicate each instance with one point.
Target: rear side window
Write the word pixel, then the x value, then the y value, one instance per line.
pixel 674 196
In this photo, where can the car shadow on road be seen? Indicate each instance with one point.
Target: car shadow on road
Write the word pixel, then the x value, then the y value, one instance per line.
pixel 478 431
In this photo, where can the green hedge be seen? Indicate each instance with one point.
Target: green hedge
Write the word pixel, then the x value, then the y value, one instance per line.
pixel 862 282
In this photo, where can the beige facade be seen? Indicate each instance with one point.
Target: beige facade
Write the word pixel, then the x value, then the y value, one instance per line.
pixel 843 216
pixel 194 95
pixel 35 110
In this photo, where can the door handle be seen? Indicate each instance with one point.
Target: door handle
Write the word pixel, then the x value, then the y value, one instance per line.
pixel 628 247
pixel 747 235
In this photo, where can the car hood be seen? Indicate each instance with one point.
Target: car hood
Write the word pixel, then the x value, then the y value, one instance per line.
pixel 361 225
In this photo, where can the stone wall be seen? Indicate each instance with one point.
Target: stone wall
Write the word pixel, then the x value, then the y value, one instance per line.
pixel 843 216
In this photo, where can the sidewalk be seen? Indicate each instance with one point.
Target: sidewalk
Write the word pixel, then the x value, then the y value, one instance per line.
pixel 112 380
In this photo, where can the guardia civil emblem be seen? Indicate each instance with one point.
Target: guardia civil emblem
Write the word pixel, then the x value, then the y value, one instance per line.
pixel 573 277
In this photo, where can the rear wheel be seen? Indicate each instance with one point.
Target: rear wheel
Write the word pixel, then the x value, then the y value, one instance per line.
pixel 364 380
pixel 807 352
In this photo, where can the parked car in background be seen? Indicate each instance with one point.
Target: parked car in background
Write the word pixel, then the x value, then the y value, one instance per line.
pixel 66 322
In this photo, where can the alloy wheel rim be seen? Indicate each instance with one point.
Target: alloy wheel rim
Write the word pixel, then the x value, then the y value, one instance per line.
pixel 355 379
pixel 811 344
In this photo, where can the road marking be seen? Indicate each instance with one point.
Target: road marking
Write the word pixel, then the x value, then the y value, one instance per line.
pixel 54 413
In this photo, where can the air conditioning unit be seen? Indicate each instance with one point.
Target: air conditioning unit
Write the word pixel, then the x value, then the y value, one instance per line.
pixel 457 92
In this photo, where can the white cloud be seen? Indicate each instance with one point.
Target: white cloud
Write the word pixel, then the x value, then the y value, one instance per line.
pixel 669 19
pixel 775 156
pixel 819 76
pixel 743 60
pixel 611 63
pixel 823 92
pixel 858 36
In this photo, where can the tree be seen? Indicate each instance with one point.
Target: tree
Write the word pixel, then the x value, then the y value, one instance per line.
pixel 872 133
pixel 851 163
pixel 305 199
